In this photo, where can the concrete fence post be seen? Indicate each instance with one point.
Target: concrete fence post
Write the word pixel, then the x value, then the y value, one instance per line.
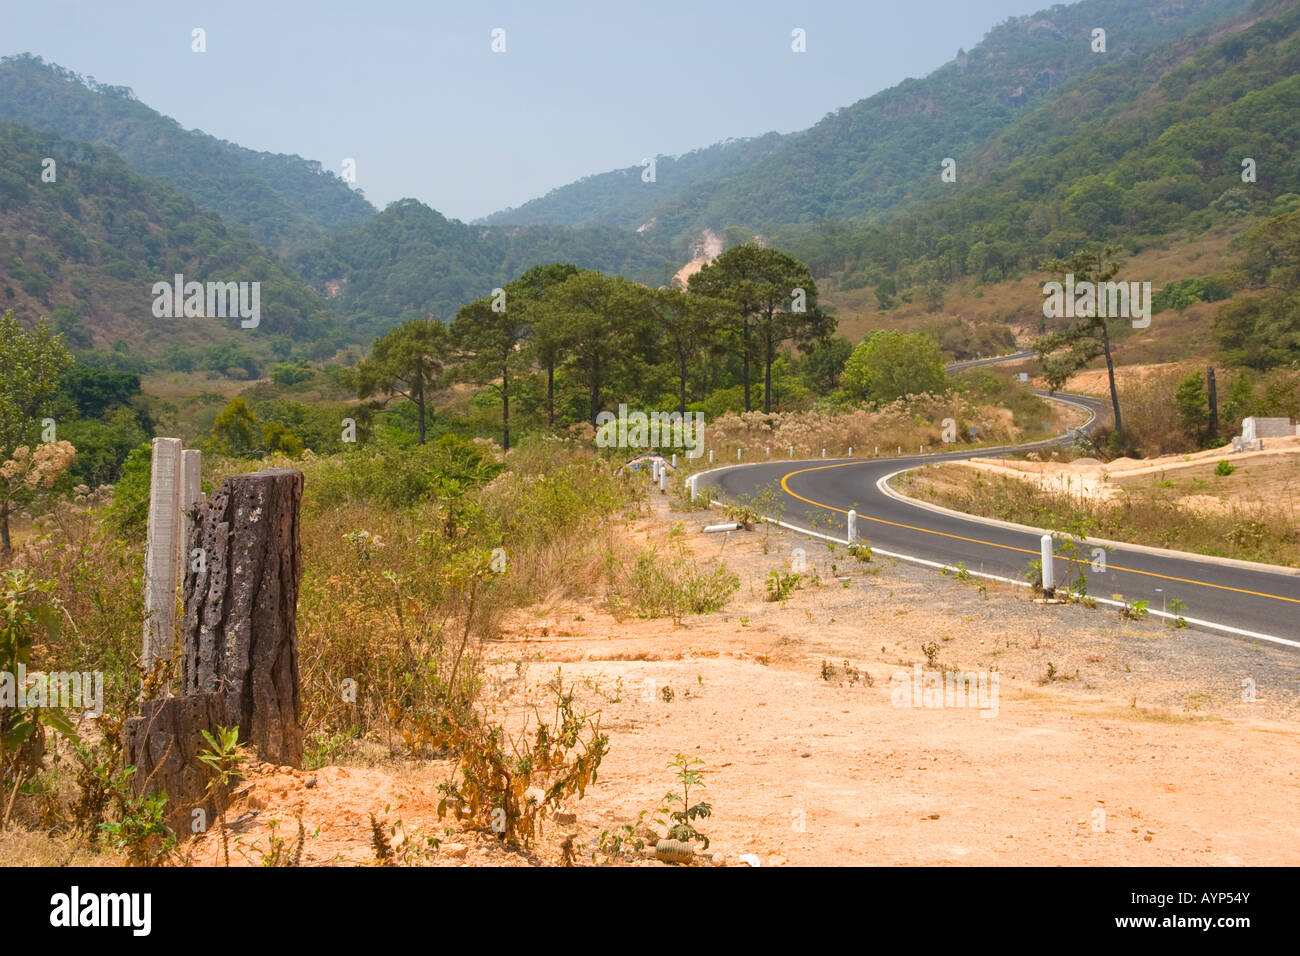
pixel 191 494
pixel 161 550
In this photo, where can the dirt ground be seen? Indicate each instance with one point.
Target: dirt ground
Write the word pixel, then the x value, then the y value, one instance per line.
pixel 1111 743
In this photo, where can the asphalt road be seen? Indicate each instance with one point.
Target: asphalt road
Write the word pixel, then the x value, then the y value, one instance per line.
pixel 815 496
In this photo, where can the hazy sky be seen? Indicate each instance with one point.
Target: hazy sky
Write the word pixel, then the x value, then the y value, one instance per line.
pixel 413 92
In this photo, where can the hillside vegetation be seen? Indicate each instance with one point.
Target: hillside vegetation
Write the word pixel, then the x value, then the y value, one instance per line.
pixel 87 248
pixel 1140 152
pixel 282 201
pixel 865 160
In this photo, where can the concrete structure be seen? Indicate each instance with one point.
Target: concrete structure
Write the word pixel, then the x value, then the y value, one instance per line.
pixel 161 560
pixel 1252 428
pixel 191 492
pixel 1255 430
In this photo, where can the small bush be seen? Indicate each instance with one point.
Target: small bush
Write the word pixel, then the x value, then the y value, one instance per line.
pixel 672 584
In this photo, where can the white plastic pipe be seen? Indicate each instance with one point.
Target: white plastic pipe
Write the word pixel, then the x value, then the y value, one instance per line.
pixel 713 528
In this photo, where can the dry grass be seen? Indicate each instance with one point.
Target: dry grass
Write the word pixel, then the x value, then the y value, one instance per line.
pixel 1153 513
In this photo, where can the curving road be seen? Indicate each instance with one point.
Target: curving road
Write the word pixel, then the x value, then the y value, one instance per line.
pixel 815 497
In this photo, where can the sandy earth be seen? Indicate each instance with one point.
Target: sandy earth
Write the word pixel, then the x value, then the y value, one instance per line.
pixel 1139 750
pixel 706 248
pixel 1096 381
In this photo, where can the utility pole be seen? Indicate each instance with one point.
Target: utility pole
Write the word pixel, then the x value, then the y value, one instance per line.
pixel 1214 402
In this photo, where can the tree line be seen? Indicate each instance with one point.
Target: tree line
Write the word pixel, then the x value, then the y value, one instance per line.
pixel 611 337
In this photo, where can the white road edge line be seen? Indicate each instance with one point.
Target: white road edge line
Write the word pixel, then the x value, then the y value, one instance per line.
pixel 882 485
pixel 1240 632
pixel 1228 629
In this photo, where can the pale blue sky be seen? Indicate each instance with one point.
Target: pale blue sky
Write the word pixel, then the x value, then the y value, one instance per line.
pixel 413 92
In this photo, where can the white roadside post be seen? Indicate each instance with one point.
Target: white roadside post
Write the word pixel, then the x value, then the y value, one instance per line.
pixel 769 449
pixel 710 456
pixel 853 526
pixel 850 451
pixel 1049 568
pixel 823 452
pixel 663 480
pixel 737 454
pixel 792 451
pixel 674 459
pixel 160 557
pixel 876 453
pixel 690 483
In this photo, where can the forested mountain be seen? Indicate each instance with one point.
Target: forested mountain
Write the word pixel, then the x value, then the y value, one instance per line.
pixel 84 238
pixel 283 201
pixel 410 260
pixel 622 198
pixel 1133 151
pixel 864 160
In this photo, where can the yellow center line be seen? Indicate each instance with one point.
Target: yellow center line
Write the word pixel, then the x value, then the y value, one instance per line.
pixel 1007 547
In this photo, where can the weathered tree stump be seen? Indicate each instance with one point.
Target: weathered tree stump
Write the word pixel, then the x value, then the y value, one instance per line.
pixel 240 637
pixel 163 744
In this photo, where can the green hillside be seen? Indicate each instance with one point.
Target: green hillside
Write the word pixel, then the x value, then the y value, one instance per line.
pixel 87 248
pixel 410 260
pixel 622 198
pixel 283 201
pixel 866 159
pixel 1137 153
